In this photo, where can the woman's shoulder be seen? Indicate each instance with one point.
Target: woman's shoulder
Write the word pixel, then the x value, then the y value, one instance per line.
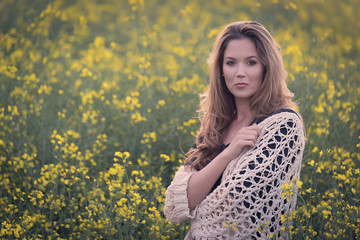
pixel 283 117
pixel 283 123
pixel 285 114
pixel 282 112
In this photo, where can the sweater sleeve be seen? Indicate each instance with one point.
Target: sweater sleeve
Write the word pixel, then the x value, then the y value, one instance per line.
pixel 251 194
pixel 176 207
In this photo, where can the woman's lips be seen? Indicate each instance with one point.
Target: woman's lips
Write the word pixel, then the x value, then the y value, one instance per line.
pixel 241 85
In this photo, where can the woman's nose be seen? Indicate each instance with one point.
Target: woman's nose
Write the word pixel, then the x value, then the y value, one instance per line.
pixel 240 71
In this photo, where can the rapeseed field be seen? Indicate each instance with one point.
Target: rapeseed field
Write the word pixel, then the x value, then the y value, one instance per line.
pixel 98 104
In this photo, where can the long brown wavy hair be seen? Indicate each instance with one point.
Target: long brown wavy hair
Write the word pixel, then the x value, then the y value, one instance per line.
pixel 217 105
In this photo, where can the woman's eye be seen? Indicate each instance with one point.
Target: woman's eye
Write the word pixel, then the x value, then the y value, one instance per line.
pixel 251 62
pixel 230 63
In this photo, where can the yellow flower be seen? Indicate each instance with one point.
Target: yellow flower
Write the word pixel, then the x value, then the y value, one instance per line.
pixel 165 157
pixel 299 184
pixel 326 213
pixel 161 103
pixel 311 163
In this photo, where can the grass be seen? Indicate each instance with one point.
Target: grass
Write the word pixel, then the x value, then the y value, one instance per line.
pixel 98 104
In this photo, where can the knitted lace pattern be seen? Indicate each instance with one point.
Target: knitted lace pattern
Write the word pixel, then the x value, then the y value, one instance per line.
pixel 258 189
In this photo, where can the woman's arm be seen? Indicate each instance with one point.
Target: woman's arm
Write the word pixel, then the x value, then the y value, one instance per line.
pixel 176 207
pixel 251 191
pixel 201 182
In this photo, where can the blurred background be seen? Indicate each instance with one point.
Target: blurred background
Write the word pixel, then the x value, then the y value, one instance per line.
pixel 98 104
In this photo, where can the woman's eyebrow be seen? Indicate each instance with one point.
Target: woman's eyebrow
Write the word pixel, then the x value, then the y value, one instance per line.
pixel 230 57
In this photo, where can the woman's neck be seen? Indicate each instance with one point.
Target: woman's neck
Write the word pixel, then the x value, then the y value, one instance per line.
pixel 243 112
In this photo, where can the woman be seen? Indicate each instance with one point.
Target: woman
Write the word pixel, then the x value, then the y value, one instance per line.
pixel 250 145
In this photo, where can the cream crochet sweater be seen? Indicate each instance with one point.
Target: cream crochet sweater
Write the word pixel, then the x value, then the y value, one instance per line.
pixel 258 189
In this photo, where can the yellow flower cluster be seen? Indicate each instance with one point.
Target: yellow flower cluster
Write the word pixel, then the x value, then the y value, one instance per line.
pixel 97 107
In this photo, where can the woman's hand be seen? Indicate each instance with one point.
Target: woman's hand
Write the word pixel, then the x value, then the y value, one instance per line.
pixel 246 136
pixel 200 183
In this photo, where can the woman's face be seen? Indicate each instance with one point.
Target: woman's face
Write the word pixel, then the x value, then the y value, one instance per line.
pixel 242 69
